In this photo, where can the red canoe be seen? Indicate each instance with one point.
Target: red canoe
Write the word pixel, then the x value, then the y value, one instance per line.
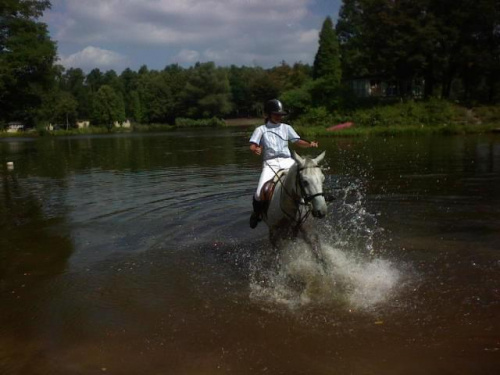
pixel 345 125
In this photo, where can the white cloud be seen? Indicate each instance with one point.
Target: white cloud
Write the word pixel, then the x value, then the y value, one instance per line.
pixel 227 31
pixel 93 57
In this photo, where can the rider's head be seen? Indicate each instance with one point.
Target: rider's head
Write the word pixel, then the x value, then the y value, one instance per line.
pixel 274 110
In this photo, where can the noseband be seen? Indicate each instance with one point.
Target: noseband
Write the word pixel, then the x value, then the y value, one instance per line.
pixel 307 198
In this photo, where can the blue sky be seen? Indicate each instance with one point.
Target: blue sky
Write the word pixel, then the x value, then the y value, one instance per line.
pixel 116 34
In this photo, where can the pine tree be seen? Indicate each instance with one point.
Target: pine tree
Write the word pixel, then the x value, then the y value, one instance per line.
pixel 327 60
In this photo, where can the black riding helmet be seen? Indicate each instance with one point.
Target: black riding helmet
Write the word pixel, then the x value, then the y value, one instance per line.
pixel 274 106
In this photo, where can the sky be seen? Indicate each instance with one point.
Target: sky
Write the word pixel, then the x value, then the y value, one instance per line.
pixel 119 34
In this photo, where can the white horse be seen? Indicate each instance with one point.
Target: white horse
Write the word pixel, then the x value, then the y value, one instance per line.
pixel 297 194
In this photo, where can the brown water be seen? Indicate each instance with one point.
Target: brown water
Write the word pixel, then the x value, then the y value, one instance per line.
pixel 132 255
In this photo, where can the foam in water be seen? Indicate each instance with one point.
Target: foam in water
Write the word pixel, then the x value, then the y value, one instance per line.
pixel 343 278
pixel 345 272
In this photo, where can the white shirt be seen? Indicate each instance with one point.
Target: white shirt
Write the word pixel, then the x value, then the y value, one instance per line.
pixel 274 139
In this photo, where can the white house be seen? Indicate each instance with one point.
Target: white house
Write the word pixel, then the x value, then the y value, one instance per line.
pixel 14 127
pixel 82 124
pixel 125 124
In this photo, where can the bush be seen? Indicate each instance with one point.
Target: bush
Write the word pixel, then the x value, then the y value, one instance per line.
pixel 427 113
pixel 437 111
pixel 297 101
pixel 488 114
pixel 213 122
pixel 318 116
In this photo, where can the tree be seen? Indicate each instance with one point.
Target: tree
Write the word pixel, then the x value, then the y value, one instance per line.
pixel 327 59
pixel 27 56
pixel 350 32
pixel 65 108
pixel 446 43
pixel 128 81
pixel 108 107
pixel 207 92
pixel 157 101
pixel 73 82
pixel 94 80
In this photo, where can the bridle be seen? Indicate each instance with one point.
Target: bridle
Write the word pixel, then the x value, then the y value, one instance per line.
pixel 300 200
pixel 307 198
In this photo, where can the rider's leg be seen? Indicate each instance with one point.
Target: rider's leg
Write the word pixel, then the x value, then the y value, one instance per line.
pixel 258 207
pixel 268 172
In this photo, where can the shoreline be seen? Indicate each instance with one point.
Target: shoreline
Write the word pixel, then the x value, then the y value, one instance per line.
pixel 316 131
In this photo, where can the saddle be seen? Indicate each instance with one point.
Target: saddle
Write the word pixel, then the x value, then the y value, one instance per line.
pixel 267 190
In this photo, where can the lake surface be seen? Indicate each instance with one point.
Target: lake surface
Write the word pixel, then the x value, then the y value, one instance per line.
pixel 131 254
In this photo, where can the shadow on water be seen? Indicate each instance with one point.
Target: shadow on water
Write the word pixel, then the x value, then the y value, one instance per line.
pixel 34 249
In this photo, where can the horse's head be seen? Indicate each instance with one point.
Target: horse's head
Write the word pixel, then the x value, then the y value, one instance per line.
pixel 310 179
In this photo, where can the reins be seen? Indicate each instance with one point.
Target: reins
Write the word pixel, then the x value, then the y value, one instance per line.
pixel 302 199
pixel 307 198
pixel 286 140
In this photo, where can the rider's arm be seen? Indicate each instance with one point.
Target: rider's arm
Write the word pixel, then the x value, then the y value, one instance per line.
pixel 306 144
pixel 295 138
pixel 255 148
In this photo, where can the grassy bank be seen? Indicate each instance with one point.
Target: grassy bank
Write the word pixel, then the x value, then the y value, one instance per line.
pixel 407 118
pixel 397 130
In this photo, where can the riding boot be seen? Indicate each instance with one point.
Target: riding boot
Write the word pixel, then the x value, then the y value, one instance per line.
pixel 258 207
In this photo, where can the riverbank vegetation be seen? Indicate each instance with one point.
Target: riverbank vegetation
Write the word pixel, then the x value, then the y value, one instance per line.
pixel 400 67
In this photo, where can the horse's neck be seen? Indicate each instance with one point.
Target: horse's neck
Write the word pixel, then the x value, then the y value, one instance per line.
pixel 291 179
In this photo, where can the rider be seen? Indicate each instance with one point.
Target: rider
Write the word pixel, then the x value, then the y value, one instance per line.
pixel 271 139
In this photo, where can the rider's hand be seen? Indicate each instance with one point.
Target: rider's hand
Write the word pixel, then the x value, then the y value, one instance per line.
pixel 257 150
pixel 313 144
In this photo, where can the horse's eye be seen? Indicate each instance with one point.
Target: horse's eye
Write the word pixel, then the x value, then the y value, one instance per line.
pixel 305 183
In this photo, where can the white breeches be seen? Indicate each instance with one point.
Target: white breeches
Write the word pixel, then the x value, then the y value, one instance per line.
pixel 269 170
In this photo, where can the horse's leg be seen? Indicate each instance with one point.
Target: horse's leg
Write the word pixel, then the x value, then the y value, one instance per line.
pixel 313 241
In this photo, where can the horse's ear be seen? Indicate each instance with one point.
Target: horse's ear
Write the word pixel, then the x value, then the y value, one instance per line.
pixel 318 159
pixel 299 159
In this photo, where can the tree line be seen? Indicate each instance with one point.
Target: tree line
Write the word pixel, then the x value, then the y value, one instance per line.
pixel 451 47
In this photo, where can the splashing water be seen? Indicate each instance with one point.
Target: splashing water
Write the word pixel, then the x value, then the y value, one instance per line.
pixel 348 271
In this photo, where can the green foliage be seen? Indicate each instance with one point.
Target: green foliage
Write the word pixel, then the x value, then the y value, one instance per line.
pixel 487 114
pixel 27 56
pixel 65 109
pixel 327 59
pixel 316 116
pixel 213 122
pixel 108 107
pixel 73 82
pixel 157 101
pixel 207 92
pixel 94 80
pixel 434 112
pixel 438 41
pixel 297 101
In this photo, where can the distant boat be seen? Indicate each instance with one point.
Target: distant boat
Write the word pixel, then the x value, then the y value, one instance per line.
pixel 345 125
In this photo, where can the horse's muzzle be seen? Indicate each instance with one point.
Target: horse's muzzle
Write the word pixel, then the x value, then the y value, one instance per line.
pixel 319 214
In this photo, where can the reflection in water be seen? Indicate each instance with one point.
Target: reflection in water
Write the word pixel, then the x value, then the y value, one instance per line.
pixel 32 241
pixel 132 254
pixel 34 248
